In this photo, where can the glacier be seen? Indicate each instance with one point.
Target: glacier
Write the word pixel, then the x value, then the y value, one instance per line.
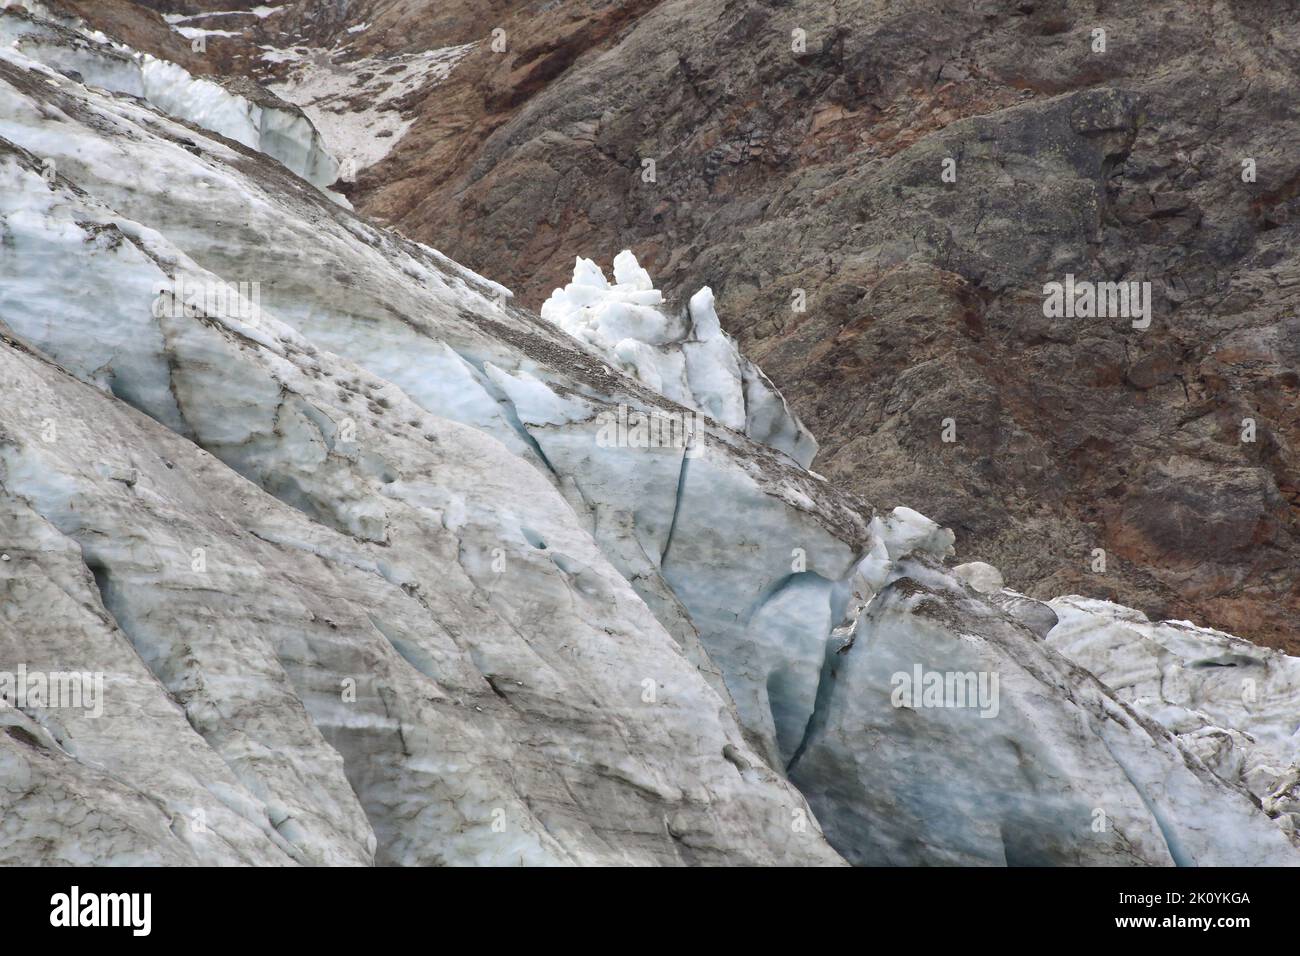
pixel 247 113
pixel 688 359
pixel 367 587
pixel 1232 703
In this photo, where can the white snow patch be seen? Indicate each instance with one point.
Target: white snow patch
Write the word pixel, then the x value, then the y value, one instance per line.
pixel 291 55
pixel 260 12
pixel 353 103
pixel 193 33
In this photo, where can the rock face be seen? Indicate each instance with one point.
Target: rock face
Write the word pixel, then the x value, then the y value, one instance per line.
pixel 807 168
pixel 371 569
